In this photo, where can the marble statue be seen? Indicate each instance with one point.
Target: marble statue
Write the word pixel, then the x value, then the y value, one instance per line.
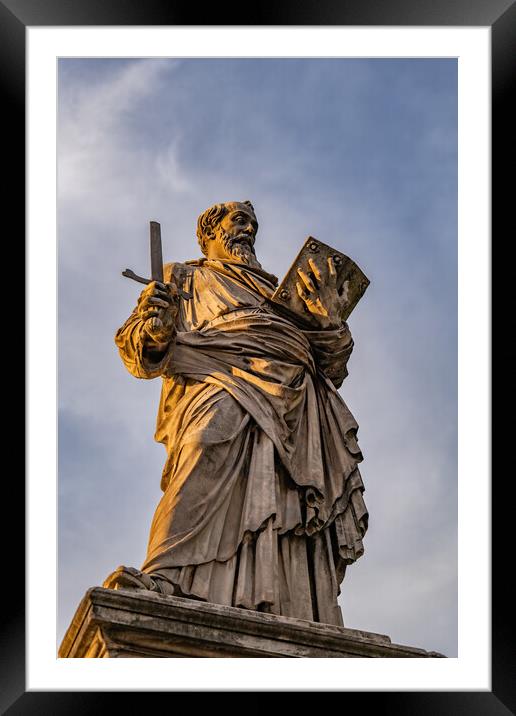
pixel 262 504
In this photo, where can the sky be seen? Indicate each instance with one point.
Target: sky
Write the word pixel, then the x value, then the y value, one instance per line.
pixel 359 153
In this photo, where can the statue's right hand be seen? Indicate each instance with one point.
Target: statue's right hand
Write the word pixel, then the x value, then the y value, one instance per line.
pixel 157 308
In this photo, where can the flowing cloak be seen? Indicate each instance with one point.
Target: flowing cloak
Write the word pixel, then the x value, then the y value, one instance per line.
pixel 262 505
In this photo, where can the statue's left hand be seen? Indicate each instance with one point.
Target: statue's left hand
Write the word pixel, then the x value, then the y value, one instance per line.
pixel 321 296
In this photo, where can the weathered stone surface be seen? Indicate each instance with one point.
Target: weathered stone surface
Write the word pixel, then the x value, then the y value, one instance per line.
pixel 123 623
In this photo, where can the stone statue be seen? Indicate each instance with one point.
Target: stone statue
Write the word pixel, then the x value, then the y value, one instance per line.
pixel 262 503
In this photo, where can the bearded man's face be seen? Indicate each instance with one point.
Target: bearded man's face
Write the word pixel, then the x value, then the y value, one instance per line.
pixel 236 234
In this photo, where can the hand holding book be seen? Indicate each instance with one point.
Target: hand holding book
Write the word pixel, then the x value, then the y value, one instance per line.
pixel 321 288
pixel 320 294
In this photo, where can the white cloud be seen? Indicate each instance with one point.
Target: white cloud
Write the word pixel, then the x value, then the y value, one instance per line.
pixel 99 169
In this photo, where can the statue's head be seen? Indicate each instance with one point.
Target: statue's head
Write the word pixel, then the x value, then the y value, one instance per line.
pixel 228 231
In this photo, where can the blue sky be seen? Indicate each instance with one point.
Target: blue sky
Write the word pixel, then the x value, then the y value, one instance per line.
pixel 361 154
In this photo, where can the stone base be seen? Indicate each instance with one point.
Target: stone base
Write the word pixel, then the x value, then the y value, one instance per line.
pixel 121 623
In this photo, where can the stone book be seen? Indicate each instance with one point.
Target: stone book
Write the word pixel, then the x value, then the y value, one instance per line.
pixel 350 277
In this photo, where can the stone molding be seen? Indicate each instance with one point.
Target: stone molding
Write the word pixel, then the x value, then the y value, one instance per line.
pixel 138 624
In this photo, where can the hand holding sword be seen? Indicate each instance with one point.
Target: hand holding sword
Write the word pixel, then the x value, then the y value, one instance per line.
pixel 157 304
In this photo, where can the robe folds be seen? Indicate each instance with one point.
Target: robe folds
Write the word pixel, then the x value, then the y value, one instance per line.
pixel 262 504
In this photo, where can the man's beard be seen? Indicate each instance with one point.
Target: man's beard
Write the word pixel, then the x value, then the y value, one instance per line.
pixel 240 248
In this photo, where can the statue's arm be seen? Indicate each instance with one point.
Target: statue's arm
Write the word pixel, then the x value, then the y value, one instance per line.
pixel 332 344
pixel 142 356
pixel 147 337
pixel 331 350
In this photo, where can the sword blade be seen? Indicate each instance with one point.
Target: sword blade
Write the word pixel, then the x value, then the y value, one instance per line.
pixel 156 252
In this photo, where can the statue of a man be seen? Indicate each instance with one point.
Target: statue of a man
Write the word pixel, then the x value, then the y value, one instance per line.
pixel 262 506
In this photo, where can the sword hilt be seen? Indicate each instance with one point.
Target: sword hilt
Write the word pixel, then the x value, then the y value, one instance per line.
pixel 156 262
pixel 130 274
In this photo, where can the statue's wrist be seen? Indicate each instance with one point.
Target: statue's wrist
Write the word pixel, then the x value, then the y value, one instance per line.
pixel 328 324
pixel 156 346
pixel 157 340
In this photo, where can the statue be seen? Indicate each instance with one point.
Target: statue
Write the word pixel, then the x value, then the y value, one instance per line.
pixel 262 504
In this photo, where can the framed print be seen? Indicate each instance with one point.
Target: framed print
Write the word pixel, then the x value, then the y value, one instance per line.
pixel 84 118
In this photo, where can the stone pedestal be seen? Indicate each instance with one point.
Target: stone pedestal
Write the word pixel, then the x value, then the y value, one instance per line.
pixel 121 623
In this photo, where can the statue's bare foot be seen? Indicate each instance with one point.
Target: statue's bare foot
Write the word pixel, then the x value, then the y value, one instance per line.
pixel 130 578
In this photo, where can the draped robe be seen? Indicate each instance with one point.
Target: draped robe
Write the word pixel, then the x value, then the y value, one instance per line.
pixel 262 504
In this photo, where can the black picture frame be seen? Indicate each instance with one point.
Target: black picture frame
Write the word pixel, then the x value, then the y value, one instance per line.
pixel 500 16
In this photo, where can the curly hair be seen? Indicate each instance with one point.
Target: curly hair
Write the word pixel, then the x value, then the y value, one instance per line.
pixel 209 219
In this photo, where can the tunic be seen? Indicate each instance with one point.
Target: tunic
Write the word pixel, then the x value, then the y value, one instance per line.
pixel 262 504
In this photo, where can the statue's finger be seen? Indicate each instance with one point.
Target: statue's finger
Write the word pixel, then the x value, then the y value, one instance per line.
pixel 306 280
pixel 144 305
pixel 332 272
pixel 156 286
pixel 164 295
pixel 344 291
pixel 145 315
pixel 315 269
pixel 301 293
pixel 155 324
pixel 172 288
pixel 158 302
pixel 147 291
